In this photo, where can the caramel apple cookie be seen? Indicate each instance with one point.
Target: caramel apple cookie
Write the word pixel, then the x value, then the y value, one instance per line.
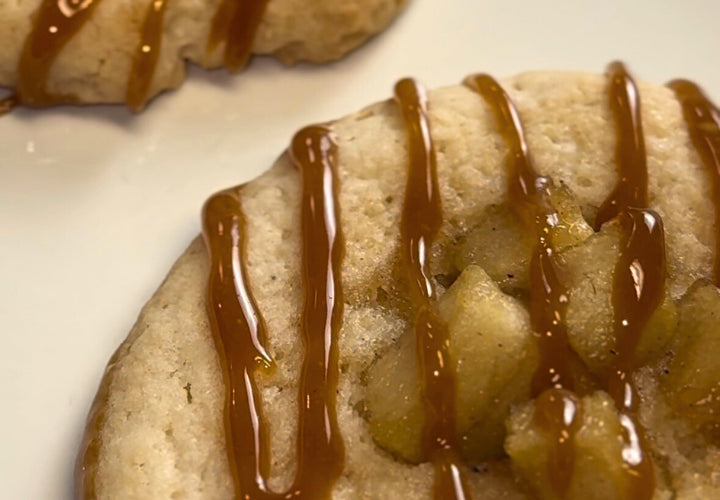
pixel 114 51
pixel 502 289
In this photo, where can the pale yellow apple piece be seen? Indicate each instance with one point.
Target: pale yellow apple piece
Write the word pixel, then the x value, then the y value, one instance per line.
pixel 494 355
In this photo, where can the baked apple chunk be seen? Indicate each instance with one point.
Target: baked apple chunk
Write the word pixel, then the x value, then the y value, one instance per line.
pixel 495 357
pixel 691 381
pixel 596 473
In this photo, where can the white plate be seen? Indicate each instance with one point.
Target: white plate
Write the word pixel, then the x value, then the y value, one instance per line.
pixel 96 203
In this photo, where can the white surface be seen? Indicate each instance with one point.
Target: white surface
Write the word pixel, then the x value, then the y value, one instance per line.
pixel 96 203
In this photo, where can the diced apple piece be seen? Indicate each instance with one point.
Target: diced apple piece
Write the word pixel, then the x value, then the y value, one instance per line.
pixel 494 357
pixel 598 470
pixel 572 228
pixel 588 271
pixel 502 245
pixel 394 408
pixel 692 381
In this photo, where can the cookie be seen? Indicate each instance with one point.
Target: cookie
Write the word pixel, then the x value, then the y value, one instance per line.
pixel 495 290
pixel 114 51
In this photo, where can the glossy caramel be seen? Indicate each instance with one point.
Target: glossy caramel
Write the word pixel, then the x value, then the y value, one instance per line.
pixel 420 222
pixel 630 158
pixel 558 414
pixel 703 121
pixel 55 23
pixel 240 336
pixel 530 199
pixel 639 277
pixel 235 23
pixel 146 55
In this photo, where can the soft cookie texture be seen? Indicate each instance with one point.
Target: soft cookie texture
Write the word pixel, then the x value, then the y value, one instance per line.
pixel 158 428
pixel 94 66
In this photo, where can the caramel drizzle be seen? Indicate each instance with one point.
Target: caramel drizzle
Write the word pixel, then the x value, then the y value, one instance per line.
pixel 239 330
pixel 55 23
pixel 146 55
pixel 703 121
pixel 557 409
pixel 421 220
pixel 631 189
pixel 639 277
pixel 235 23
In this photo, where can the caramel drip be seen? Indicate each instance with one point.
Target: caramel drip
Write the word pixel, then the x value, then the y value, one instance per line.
pixel 146 55
pixel 320 451
pixel 639 278
pixel 54 24
pixel 630 158
pixel 421 220
pixel 239 331
pixel 703 121
pixel 558 414
pixel 638 286
pixel 235 24
pixel 239 334
pixel 557 410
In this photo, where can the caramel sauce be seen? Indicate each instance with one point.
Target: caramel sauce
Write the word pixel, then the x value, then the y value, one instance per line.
pixel 557 413
pixel 639 277
pixel 630 158
pixel 240 336
pixel 421 220
pixel 235 24
pixel 146 55
pixel 638 287
pixel 557 410
pixel 703 121
pixel 55 23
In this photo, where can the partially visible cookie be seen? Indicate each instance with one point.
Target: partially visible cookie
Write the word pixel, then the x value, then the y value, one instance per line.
pixel 84 51
pixel 158 430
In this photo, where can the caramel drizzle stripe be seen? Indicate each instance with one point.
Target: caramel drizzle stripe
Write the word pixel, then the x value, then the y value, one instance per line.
pixel 420 222
pixel 54 24
pixel 240 335
pixel 146 55
pixel 703 121
pixel 235 23
pixel 630 158
pixel 320 450
pixel 557 409
pixel 639 277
